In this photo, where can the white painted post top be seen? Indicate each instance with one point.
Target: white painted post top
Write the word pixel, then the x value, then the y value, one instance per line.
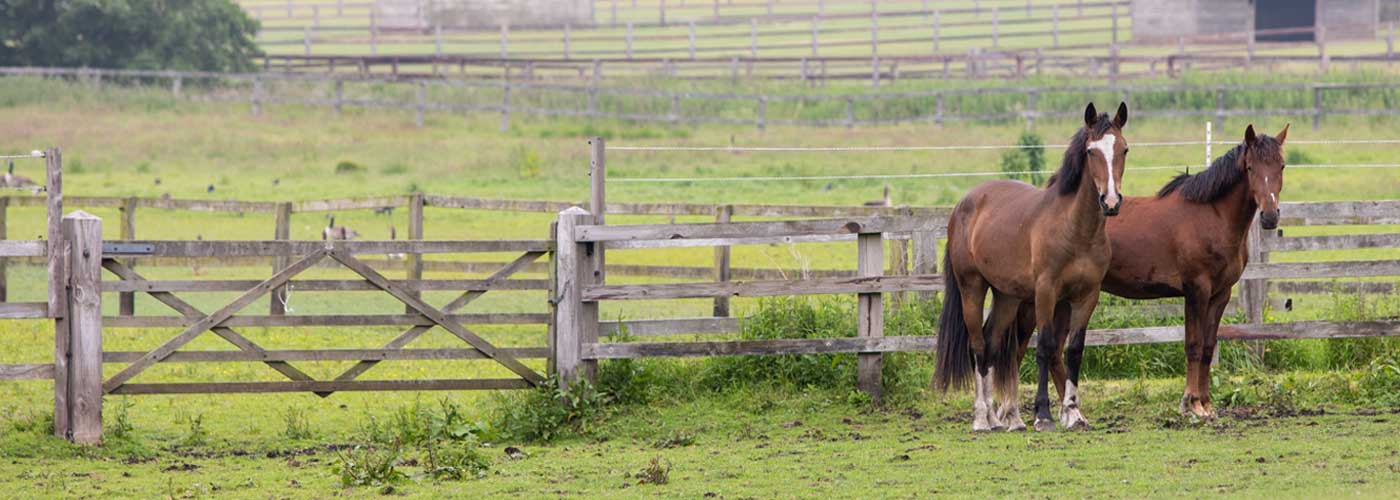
pixel 79 214
pixel 575 210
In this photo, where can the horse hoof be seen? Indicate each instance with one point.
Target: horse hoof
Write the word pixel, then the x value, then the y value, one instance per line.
pixel 1016 426
pixel 1044 425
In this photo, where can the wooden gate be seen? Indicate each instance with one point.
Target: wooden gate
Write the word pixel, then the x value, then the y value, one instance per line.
pixel 305 255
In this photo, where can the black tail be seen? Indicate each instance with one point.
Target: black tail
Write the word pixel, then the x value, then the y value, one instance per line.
pixel 954 366
pixel 1008 355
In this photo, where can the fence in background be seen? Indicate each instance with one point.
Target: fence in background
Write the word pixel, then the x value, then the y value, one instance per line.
pixel 577 336
pixel 509 99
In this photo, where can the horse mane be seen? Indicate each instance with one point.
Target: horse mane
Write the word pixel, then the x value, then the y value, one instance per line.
pixel 1217 180
pixel 1076 155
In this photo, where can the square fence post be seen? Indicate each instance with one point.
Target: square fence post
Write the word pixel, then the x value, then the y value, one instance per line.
pixel 597 198
pixel 723 213
pixel 414 261
pixel 576 321
pixel 4 235
pixel 81 409
pixel 870 317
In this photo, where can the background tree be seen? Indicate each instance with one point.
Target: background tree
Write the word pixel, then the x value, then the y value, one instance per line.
pixel 206 35
pixel 1026 162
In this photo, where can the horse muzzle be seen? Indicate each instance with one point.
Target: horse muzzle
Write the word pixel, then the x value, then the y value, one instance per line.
pixel 1110 206
pixel 1268 220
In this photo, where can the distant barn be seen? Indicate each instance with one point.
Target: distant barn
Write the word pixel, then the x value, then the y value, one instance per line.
pixel 423 15
pixel 1167 20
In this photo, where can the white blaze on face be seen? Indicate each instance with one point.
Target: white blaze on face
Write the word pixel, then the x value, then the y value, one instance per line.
pixel 1271 192
pixel 1105 146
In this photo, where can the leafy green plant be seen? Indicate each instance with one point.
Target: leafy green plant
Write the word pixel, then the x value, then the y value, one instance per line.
pixel 455 460
pixel 348 167
pixel 295 424
pixel 370 466
pixel 548 412
pixel 657 472
pixel 195 433
pixel 121 425
pixel 1026 162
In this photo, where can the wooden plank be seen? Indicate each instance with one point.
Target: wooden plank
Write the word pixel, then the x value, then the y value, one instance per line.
pixel 757 347
pixel 83 233
pixel 1341 209
pixel 1288 270
pixel 571 276
pixel 1334 242
pixel 329 320
pixel 24 310
pixel 1316 287
pixel 414 260
pixel 722 269
pixel 323 355
pixel 210 321
pixel 321 285
pixel 23 248
pixel 870 313
pixel 438 317
pixel 772 229
pixel 925 252
pixel 350 204
pixel 127 300
pixel 817 286
pixel 659 327
pixel 1266 331
pixel 461 301
pixel 26 372
pixel 324 386
pixel 275 248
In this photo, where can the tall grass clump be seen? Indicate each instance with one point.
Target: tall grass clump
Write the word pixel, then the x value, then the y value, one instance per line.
pixel 791 318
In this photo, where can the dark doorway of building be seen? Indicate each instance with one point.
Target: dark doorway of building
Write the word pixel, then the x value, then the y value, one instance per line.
pixel 1276 14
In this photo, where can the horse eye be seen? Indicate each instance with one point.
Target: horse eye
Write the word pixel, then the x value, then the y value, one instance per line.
pixel 1125 151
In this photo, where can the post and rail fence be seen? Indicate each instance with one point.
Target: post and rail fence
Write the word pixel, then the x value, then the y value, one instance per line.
pixel 578 337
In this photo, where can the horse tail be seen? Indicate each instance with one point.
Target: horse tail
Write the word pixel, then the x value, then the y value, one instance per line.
pixel 954 365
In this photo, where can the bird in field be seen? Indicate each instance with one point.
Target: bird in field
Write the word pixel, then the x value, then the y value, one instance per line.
pixel 210 189
pixel 12 180
pixel 332 232
pixel 885 202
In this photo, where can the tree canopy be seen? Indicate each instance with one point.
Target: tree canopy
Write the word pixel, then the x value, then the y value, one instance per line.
pixel 206 35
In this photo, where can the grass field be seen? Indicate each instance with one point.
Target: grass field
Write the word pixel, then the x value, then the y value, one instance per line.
pixel 735 438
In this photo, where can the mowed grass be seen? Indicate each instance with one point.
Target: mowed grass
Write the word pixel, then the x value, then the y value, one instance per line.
pixel 118 141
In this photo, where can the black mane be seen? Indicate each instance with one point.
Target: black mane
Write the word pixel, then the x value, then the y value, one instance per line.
pixel 1217 180
pixel 1072 167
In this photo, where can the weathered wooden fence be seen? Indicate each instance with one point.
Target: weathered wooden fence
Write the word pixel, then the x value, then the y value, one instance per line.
pixel 577 334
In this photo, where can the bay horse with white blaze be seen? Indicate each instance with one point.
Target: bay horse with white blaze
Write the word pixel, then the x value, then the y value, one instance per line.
pixel 1046 246
pixel 1191 241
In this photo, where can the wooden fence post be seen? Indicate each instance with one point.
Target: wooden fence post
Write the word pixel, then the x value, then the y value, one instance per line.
pixel 597 198
pixel 661 11
pixel 1252 292
pixel 762 113
pixel 306 40
pixel 1115 22
pixel 568 41
pixel 505 40
pixel 57 295
pixel 420 94
pixel 1031 98
pixel 505 106
pixel 722 215
pixel 692 39
pixel 576 321
pixel 83 399
pixel 753 37
pixel 414 261
pixel 4 235
pixel 996 27
pixel 1055 26
pixel 925 257
pixel 936 31
pixel 870 317
pixel 552 329
pixel 282 230
pixel 850 112
pixel 629 40
pixel 126 301
pixel 1317 107
pixel 257 95
pixel 1220 108
pixel 339 100
pixel 816 29
pixel 373 33
pixel 1324 61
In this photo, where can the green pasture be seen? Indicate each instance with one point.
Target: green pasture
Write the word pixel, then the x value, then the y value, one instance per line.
pixel 1309 419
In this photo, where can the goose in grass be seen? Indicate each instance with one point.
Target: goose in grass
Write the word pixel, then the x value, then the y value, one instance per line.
pixel 331 232
pixel 393 236
pixel 12 180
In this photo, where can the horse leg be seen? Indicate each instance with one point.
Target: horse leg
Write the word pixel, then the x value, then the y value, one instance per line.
pixel 1022 329
pixel 1045 350
pixel 974 295
pixel 1081 309
pixel 1051 364
pixel 1197 312
pixel 1210 325
pixel 1000 350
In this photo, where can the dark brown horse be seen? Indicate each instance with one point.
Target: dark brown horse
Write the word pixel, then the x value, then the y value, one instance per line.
pixel 1045 246
pixel 1191 240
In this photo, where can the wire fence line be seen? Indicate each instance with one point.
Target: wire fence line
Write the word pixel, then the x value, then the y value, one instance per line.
pixel 947 174
pixel 1314 100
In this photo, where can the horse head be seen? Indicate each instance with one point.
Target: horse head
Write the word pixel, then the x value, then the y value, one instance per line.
pixel 1263 161
pixel 1106 153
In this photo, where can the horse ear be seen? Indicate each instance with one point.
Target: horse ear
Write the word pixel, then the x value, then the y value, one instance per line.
pixel 1249 137
pixel 1121 119
pixel 1283 134
pixel 1091 115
